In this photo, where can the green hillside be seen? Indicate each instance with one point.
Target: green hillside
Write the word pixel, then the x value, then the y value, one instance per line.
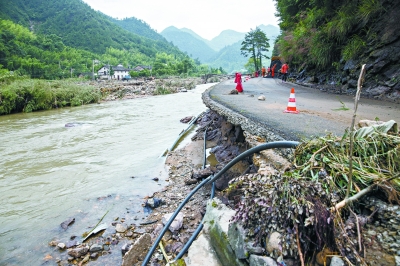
pixel 331 40
pixel 138 27
pixel 60 39
pixel 226 38
pixel 79 26
pixel 229 58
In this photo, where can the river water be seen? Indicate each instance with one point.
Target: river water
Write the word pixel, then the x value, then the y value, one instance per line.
pixel 107 162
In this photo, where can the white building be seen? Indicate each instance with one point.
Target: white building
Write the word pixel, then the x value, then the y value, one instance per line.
pixel 104 72
pixel 120 71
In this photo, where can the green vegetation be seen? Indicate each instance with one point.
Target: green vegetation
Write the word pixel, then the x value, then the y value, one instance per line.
pixel 81 27
pixel 63 39
pixel 343 107
pixel 28 95
pixel 46 57
pixel 320 34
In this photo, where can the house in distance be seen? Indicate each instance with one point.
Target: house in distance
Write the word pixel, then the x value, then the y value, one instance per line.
pixel 119 72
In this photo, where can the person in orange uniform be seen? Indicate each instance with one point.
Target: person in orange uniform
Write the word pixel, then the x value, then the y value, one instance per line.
pixel 238 81
pixel 284 72
pixel 273 71
pixel 263 71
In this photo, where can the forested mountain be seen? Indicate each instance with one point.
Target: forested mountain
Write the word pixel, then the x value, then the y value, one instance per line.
pixel 194 34
pixel 138 27
pixel 59 39
pixel 226 38
pixel 329 41
pixel 79 26
pixel 188 43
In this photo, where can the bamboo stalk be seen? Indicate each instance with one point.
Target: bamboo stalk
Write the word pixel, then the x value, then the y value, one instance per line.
pixel 357 98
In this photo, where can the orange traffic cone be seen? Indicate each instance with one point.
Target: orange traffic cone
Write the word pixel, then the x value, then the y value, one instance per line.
pixel 291 108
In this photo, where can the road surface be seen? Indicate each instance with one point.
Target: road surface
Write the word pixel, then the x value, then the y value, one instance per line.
pixel 319 112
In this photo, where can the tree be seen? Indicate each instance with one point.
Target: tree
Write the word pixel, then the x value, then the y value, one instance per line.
pixel 262 45
pixel 255 44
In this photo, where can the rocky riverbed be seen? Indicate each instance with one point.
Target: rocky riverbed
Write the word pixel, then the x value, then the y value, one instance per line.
pixel 143 87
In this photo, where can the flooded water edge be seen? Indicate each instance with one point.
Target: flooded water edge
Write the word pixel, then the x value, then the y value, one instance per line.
pixel 106 162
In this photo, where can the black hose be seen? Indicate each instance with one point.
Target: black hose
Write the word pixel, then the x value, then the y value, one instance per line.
pixel 212 179
pixel 200 227
pixel 171 219
pixel 265 146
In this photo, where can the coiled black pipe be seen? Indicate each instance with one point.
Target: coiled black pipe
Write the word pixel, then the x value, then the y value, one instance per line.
pixel 212 179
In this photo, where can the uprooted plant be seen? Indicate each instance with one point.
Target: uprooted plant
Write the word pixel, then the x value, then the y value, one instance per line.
pixel 299 202
pixel 285 204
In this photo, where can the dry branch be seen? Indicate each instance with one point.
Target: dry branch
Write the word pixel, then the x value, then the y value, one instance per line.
pixel 357 98
pixel 355 197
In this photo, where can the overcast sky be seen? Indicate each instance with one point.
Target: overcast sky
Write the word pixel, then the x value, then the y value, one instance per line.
pixel 205 17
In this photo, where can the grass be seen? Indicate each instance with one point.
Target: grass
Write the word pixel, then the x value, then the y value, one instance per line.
pixel 353 48
pixel 342 108
pixel 28 95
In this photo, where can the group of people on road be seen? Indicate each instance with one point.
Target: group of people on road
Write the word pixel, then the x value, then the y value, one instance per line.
pixel 263 73
pixel 270 71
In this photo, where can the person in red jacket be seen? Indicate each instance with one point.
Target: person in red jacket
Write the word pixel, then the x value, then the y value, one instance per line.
pixel 238 81
pixel 284 72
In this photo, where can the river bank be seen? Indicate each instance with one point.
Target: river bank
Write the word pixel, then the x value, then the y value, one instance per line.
pixel 30 95
pixel 185 171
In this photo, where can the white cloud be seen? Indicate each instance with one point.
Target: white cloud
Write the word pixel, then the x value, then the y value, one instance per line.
pixel 206 17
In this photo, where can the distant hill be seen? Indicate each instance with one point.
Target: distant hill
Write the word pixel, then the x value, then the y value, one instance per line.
pixel 188 43
pixel 227 44
pixel 194 34
pixel 225 38
pixel 229 58
pixel 270 30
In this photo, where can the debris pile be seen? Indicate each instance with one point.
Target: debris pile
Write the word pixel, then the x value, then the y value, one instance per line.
pixel 307 205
